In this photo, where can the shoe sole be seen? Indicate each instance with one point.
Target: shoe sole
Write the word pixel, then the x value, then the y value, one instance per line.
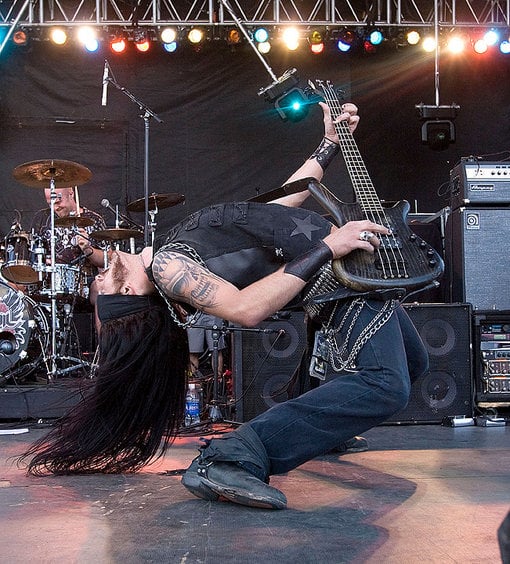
pixel 196 486
pixel 243 497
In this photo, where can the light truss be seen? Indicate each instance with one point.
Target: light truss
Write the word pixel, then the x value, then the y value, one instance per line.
pixel 306 13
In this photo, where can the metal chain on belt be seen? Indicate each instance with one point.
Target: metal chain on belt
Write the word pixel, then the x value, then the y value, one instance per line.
pixel 185 249
pixel 336 356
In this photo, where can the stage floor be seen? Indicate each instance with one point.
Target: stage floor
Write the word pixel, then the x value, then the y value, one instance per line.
pixel 420 494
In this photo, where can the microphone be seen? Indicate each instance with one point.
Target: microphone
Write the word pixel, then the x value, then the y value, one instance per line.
pixel 106 204
pixel 105 82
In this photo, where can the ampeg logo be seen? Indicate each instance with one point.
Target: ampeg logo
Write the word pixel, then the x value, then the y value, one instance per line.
pixel 472 220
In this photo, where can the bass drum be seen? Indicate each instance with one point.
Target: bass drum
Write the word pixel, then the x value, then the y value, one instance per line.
pixel 24 333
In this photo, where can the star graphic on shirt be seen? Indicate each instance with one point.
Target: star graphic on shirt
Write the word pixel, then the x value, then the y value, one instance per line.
pixel 304 227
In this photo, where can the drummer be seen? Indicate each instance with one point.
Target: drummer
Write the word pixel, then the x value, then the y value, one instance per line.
pixel 72 240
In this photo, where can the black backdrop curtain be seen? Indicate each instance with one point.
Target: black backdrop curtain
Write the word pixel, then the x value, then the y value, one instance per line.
pixel 219 140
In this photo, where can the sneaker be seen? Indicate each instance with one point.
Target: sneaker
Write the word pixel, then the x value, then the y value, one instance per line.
pixel 230 481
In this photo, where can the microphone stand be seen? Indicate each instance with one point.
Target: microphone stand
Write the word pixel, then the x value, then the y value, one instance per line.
pixel 146 116
pixel 215 414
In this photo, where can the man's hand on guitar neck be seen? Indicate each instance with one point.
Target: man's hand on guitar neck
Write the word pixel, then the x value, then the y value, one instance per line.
pixel 349 114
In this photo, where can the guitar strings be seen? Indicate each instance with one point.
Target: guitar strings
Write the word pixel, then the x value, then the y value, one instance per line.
pixel 389 253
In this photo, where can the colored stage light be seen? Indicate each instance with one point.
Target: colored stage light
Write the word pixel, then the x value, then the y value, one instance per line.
pixel 118 45
pixel 233 36
pixel 261 35
pixel 345 40
pixel 491 37
pixel 19 37
pixel 170 47
pixel 504 47
pixel 293 105
pixel 376 37
pixel 143 45
pixel 457 43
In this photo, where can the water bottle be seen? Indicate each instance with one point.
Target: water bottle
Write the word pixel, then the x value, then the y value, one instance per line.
pixel 192 410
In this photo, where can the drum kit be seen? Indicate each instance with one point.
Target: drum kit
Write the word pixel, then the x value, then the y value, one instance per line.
pixel 34 281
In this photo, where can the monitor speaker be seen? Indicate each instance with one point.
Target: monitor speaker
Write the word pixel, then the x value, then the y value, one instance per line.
pixel 477 261
pixel 265 363
pixel 446 389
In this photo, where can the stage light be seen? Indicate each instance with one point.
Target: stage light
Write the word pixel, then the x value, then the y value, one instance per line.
pixel 429 44
pixel 143 45
pixel 58 36
pixel 413 37
pixel 491 37
pixel 480 46
pixel 118 44
pixel 19 37
pixel 504 47
pixel 88 38
pixel 261 35
pixel 345 40
pixel 195 36
pixel 290 38
pixel 316 42
pixel 457 43
pixel 437 130
pixel 375 37
pixel 170 47
pixel 293 105
pixel 168 35
pixel 233 36
pixel 264 47
pixel 369 47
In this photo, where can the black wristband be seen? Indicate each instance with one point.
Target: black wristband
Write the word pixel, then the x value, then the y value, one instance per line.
pixel 325 152
pixel 307 264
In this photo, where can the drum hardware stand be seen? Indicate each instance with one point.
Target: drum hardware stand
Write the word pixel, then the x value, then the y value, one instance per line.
pixel 146 116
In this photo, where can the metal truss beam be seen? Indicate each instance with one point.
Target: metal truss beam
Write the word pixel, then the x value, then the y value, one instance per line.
pixel 304 13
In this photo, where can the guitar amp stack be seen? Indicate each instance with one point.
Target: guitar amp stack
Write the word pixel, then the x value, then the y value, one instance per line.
pixel 477 235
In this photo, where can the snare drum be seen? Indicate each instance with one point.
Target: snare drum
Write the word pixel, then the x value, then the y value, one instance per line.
pixel 69 282
pixel 17 266
pixel 24 332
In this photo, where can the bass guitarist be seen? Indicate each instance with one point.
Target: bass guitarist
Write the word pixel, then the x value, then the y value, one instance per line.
pixel 242 263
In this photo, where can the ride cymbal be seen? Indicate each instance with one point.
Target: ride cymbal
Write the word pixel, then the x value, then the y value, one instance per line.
pixel 73 221
pixel 39 174
pixel 156 201
pixel 115 234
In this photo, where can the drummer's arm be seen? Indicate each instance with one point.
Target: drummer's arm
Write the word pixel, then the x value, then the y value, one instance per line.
pixel 94 255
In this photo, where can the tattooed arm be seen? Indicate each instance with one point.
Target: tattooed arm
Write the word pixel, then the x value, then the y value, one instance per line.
pixel 183 280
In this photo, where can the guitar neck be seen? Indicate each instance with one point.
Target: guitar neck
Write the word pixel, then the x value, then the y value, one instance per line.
pixel 364 190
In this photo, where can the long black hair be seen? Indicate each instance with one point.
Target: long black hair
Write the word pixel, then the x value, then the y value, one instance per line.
pixel 134 406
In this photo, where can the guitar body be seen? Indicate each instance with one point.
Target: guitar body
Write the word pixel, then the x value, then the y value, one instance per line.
pixel 415 265
pixel 402 260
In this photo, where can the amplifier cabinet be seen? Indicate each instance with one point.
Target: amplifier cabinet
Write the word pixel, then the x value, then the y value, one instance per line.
pixel 491 344
pixel 477 257
pixel 480 183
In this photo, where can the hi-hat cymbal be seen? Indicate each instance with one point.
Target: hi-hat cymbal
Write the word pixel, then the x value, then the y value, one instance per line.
pixel 39 174
pixel 115 234
pixel 73 221
pixel 156 201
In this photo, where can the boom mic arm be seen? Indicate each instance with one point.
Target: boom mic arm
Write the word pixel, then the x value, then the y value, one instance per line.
pixel 106 204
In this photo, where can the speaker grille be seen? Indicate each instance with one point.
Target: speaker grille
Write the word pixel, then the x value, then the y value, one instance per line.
pixel 446 389
pixel 265 362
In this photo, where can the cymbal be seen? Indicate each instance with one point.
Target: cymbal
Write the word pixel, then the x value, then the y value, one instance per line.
pixel 38 174
pixel 115 234
pixel 73 221
pixel 156 201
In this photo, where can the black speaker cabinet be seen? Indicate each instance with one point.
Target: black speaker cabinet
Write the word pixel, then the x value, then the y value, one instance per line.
pixel 477 257
pixel 265 362
pixel 446 389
